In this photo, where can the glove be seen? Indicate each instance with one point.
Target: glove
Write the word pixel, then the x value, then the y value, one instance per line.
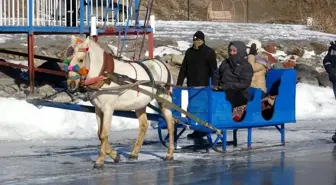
pixel 253 49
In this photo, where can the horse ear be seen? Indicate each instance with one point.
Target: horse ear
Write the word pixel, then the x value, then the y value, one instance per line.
pixel 73 40
pixel 87 40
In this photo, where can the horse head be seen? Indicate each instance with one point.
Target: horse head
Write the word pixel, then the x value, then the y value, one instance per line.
pixel 77 62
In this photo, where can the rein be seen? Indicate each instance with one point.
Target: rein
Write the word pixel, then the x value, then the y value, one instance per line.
pixel 127 83
pixel 108 67
pixel 107 70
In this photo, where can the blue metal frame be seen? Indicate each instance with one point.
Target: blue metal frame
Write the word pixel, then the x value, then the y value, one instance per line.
pixel 82 29
pixel 137 8
pixel 59 29
pixel 127 24
pixel 30 22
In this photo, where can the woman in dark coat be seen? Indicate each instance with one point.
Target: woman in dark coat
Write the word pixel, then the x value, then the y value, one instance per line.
pixel 234 77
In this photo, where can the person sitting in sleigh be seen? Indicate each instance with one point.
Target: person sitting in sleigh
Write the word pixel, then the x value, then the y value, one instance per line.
pixel 234 77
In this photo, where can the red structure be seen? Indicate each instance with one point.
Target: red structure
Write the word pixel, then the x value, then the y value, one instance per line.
pixel 34 26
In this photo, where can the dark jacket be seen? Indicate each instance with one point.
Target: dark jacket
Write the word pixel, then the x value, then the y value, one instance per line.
pixel 198 66
pixel 235 74
pixel 329 63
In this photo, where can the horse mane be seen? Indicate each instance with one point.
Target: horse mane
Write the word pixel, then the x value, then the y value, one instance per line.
pixel 119 58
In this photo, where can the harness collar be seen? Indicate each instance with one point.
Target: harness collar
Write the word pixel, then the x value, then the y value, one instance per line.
pixel 108 67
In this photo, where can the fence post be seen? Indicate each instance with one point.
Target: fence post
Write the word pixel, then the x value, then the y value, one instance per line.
pixel 1 9
pixel 151 45
pixel 152 22
pixel 81 15
pixel 93 30
pixel 247 11
pixel 188 10
pixel 137 7
pixel 31 66
pixel 30 39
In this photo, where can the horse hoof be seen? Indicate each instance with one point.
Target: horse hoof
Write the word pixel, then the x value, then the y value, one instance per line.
pixel 133 157
pixel 117 159
pixel 98 166
pixel 169 158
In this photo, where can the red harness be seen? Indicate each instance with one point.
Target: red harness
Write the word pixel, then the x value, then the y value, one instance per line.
pixel 108 67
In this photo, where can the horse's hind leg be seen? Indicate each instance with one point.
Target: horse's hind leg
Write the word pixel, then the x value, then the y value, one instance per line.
pixel 104 121
pixel 143 125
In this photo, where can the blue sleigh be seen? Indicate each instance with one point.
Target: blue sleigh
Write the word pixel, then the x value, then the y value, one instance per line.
pixel 212 107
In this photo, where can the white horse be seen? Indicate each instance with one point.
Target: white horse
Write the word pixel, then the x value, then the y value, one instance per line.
pixel 90 55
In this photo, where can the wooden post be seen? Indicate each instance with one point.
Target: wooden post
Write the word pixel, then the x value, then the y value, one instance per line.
pixel 188 10
pixel 94 29
pixel 151 45
pixel 31 62
pixel 247 11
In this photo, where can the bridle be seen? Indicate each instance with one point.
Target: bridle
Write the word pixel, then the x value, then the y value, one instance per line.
pixel 81 72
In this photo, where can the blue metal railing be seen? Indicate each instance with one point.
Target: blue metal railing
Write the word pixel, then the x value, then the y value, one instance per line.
pixel 53 16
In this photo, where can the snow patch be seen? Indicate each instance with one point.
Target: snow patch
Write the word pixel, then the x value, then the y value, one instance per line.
pixel 183 45
pixel 308 54
pixel 20 120
pixel 314 102
pixel 164 50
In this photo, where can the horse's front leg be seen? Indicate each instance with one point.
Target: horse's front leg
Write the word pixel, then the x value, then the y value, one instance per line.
pixel 101 157
pixel 143 125
pixel 170 124
pixel 104 120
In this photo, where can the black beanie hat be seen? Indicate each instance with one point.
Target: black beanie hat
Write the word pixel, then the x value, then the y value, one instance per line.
pixel 198 35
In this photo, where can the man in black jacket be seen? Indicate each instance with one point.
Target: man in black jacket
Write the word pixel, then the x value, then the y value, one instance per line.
pixel 199 64
pixel 329 63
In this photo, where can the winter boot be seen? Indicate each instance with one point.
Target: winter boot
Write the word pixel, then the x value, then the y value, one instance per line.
pixel 196 135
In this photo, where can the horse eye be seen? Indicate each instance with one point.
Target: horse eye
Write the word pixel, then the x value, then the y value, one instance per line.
pixel 81 61
pixel 70 51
